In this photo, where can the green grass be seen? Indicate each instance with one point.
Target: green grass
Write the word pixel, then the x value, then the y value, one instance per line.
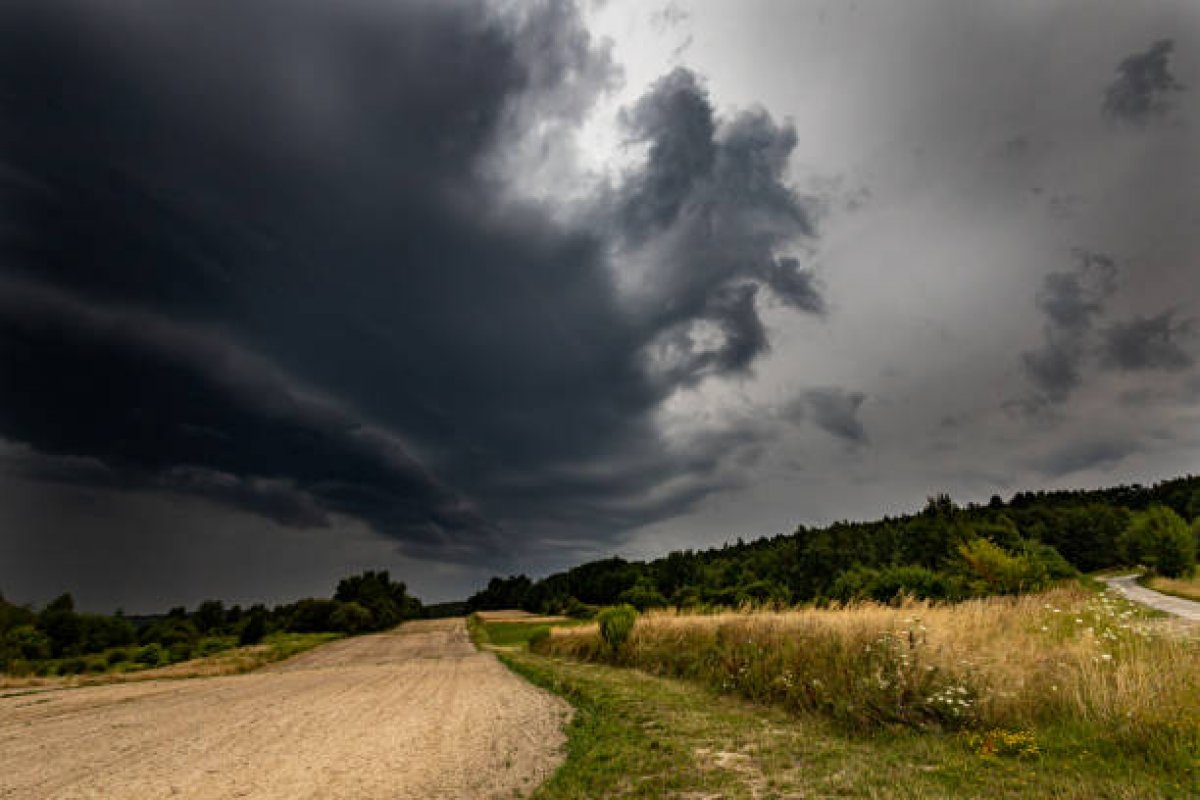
pixel 286 645
pixel 639 736
pixel 514 634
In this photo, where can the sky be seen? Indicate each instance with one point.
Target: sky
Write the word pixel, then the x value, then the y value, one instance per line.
pixel 295 288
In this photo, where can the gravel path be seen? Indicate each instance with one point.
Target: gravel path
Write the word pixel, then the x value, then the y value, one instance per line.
pixel 413 713
pixel 1127 584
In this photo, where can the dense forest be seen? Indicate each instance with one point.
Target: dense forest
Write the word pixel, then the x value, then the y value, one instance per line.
pixel 59 640
pixel 943 552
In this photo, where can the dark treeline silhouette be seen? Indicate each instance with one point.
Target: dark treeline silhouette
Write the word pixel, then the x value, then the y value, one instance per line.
pixel 944 552
pixel 60 640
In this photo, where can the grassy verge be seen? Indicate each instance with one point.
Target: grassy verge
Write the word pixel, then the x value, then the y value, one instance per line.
pixel 228 661
pixel 1186 588
pixel 1065 657
pixel 641 735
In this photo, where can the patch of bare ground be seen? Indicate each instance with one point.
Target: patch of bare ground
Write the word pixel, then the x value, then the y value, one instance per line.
pixel 413 713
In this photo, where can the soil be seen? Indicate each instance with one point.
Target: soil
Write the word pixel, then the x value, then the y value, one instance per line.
pixel 412 713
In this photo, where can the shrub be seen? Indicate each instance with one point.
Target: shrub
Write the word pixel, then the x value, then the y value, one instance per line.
pixel 28 642
pixel 352 617
pixel 642 596
pixel 996 571
pixel 616 624
pixel 254 630
pixel 313 614
pixel 212 644
pixel 72 666
pixel 577 610
pixel 151 655
pixel 179 651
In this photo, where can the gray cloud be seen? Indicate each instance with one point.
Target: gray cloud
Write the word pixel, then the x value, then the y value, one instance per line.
pixel 1085 455
pixel 712 209
pixel 1143 86
pixel 1070 303
pixel 1145 343
pixel 835 411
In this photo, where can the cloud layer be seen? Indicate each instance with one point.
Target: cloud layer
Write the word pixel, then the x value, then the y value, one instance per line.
pixel 501 286
pixel 282 273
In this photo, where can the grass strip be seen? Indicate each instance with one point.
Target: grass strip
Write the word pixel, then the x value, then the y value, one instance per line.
pixel 637 735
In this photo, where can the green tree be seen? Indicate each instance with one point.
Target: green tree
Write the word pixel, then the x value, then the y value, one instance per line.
pixel 254 629
pixel 1160 539
pixel 351 618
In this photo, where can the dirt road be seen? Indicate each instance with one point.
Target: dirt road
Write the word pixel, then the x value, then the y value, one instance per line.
pixel 415 713
pixel 1128 585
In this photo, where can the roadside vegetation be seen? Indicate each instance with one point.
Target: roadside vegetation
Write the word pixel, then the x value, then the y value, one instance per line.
pixel 59 641
pixel 1066 658
pixel 942 553
pixel 641 734
pixel 1187 588
pixel 234 660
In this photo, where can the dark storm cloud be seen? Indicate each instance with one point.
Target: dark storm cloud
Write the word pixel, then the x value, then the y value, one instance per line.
pixel 835 411
pixel 1145 343
pixel 259 253
pixel 1070 302
pixel 712 208
pixel 176 408
pixel 1143 86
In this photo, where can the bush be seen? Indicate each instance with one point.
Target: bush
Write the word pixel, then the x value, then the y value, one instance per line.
pixel 27 642
pixel 72 666
pixel 996 571
pixel 351 617
pixel 642 596
pixel 179 651
pixel 254 630
pixel 616 624
pixel 151 655
pixel 313 614
pixel 577 610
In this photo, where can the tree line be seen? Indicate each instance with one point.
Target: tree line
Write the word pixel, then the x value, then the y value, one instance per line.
pixel 58 639
pixel 943 552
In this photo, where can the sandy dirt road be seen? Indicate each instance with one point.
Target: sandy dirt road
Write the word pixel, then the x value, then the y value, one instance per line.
pixel 414 713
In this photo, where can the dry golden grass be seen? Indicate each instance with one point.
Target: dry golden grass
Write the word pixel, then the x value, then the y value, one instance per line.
pixel 1188 588
pixel 1063 656
pixel 234 661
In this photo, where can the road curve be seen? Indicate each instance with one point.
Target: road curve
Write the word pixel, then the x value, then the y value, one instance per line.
pixel 413 713
pixel 1127 585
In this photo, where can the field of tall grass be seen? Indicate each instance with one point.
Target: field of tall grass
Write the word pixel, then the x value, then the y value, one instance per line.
pixel 998 667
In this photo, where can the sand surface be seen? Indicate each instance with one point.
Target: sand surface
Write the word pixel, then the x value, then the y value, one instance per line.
pixel 413 713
